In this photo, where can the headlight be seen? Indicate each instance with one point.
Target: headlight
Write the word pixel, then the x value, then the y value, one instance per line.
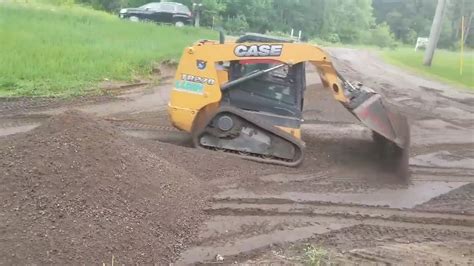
pixel 123 10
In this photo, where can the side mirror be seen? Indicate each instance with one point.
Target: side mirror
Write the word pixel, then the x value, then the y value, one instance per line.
pixel 147 8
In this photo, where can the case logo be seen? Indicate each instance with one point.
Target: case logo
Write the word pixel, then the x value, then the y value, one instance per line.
pixel 201 64
pixel 258 50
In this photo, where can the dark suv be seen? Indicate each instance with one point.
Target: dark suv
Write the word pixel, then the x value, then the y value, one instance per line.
pixel 165 12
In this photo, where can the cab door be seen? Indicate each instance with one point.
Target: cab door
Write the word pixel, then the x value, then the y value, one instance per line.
pixel 166 12
pixel 152 12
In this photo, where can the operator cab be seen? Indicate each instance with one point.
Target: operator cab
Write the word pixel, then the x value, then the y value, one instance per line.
pixel 277 94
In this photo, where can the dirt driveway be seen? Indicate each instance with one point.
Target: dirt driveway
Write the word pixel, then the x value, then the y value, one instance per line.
pixel 339 199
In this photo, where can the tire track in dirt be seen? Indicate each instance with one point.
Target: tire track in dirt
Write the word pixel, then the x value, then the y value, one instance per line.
pixel 365 213
pixel 429 253
pixel 275 219
pixel 299 228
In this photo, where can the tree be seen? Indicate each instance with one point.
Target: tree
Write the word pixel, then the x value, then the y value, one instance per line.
pixel 349 19
pixel 334 20
pixel 211 12
pixel 381 36
pixel 409 19
pixel 256 13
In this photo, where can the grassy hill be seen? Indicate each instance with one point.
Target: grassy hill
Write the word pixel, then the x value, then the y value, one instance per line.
pixel 445 66
pixel 67 50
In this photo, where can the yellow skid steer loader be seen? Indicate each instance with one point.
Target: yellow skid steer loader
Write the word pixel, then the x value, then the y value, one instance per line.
pixel 246 97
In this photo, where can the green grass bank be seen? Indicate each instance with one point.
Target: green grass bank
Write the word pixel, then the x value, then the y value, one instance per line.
pixel 50 50
pixel 445 65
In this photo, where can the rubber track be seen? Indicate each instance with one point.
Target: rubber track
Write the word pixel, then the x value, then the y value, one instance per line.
pixel 259 123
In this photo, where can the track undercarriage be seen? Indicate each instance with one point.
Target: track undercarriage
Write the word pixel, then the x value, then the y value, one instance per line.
pixel 242 133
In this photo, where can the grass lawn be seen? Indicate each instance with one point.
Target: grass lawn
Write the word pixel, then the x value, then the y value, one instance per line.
pixel 67 50
pixel 445 65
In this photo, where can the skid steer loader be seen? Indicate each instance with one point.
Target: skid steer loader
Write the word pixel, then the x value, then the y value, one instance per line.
pixel 246 98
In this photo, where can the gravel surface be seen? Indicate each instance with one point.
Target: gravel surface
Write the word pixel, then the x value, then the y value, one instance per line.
pixel 75 190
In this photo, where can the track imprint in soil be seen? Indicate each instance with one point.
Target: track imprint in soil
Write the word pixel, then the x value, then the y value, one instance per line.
pixel 414 194
pixel 443 159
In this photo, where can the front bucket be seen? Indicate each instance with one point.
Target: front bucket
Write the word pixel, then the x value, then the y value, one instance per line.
pixel 379 118
pixel 391 133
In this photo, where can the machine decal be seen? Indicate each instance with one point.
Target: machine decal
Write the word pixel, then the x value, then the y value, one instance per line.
pixel 261 50
pixel 189 86
pixel 193 84
pixel 201 64
pixel 202 80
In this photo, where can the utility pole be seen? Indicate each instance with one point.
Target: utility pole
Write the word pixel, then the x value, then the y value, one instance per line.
pixel 435 32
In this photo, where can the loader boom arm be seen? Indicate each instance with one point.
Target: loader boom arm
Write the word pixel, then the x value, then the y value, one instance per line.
pixel 291 53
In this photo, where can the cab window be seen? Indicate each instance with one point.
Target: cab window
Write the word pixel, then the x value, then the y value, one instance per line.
pixel 167 8
pixel 152 6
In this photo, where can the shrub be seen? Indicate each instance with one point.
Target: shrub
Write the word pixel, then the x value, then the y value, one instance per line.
pixel 411 36
pixel 382 36
pixel 333 38
pixel 236 25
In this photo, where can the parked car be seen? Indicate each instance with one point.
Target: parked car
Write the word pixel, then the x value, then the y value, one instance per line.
pixel 165 12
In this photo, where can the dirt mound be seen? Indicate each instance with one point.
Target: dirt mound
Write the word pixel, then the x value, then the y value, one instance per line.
pixel 460 200
pixel 76 191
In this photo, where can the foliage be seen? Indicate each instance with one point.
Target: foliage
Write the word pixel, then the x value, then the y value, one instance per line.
pixel 382 36
pixel 66 50
pixel 346 21
pixel 409 19
pixel 332 38
pixel 211 13
pixel 236 25
pixel 347 18
pixel 280 34
pixel 315 256
pixel 445 64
